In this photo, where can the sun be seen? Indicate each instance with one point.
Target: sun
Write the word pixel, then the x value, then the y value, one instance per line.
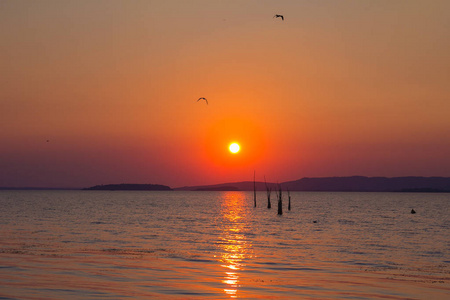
pixel 234 148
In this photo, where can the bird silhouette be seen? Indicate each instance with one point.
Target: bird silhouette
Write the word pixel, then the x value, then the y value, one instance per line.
pixel 279 16
pixel 202 98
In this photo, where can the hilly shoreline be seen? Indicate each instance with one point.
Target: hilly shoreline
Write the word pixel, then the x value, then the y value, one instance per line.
pixel 410 184
pixel 339 184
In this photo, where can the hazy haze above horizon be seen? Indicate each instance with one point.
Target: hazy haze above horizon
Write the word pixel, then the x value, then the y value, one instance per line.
pixel 98 92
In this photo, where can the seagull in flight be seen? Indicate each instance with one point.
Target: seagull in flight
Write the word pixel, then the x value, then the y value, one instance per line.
pixel 202 98
pixel 279 16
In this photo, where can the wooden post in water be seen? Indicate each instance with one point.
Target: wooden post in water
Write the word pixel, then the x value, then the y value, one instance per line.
pixel 268 190
pixel 289 196
pixel 254 186
pixel 280 201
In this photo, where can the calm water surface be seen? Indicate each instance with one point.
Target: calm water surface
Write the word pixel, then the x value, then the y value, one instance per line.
pixel 216 245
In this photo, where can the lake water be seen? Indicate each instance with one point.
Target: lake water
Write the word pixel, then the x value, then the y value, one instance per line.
pixel 216 245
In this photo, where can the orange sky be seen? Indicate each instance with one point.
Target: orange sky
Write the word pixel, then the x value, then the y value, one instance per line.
pixel 339 88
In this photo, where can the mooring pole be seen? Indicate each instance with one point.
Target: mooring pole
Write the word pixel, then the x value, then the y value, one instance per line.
pixel 254 186
pixel 289 196
pixel 280 201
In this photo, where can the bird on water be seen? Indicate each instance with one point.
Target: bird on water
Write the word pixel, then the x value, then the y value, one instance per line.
pixel 202 98
pixel 279 16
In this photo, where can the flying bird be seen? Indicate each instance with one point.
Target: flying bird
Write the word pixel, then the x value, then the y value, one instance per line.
pixel 279 16
pixel 202 98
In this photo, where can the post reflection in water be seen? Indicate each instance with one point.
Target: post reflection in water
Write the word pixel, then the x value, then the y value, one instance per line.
pixel 234 246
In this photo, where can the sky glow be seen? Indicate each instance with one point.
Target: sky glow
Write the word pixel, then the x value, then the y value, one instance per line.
pixel 338 88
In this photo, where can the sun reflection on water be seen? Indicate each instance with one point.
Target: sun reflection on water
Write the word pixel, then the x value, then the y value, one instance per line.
pixel 234 246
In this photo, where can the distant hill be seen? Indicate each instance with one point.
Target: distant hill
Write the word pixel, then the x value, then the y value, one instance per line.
pixel 370 184
pixel 231 186
pixel 218 188
pixel 35 188
pixel 342 184
pixel 129 187
pixel 325 184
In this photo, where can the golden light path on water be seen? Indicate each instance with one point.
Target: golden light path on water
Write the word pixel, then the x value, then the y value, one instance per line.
pixel 234 247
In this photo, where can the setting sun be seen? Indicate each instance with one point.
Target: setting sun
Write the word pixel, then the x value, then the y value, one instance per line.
pixel 234 148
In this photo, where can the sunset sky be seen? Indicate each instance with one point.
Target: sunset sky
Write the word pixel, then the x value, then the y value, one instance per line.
pixel 99 92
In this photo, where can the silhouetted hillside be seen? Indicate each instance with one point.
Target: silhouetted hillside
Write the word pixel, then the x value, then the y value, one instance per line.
pixel 369 184
pixel 218 188
pixel 35 188
pixel 130 187
pixel 231 186
pixel 344 184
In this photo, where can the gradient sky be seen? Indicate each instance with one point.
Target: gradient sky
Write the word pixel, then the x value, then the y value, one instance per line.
pixel 339 88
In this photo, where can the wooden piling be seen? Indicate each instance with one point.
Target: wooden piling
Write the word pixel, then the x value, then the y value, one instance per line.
pixel 254 186
pixel 268 190
pixel 289 196
pixel 280 200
